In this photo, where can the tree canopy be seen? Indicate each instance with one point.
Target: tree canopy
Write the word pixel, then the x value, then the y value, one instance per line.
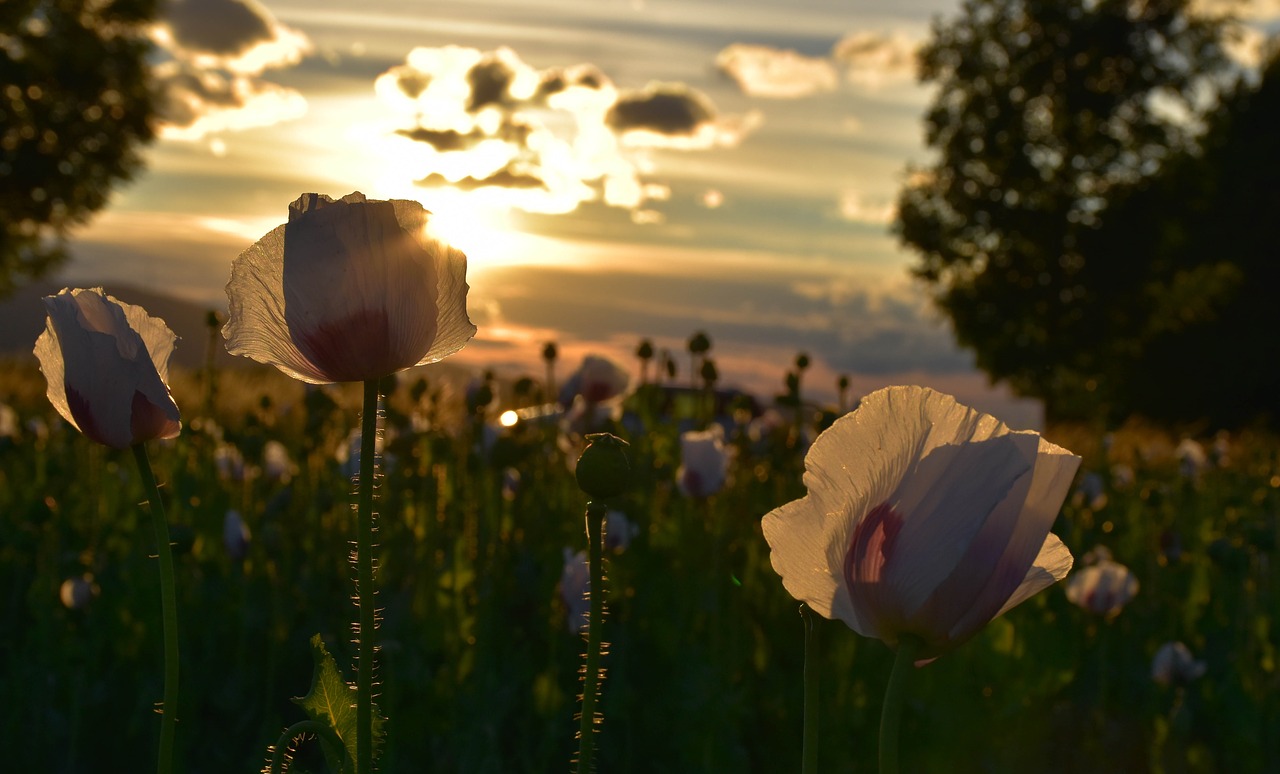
pixel 75 108
pixel 1047 115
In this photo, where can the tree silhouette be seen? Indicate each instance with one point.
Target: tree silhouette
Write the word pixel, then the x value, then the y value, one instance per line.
pixel 1046 113
pixel 75 107
pixel 1204 315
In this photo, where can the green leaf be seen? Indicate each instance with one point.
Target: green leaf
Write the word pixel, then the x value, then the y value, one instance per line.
pixel 332 701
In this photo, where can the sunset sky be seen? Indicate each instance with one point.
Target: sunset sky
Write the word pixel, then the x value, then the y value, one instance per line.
pixel 613 169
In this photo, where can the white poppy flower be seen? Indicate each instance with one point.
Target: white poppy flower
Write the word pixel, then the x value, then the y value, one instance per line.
pixel 924 518
pixel 704 462
pixel 107 364
pixel 348 290
pixel 1103 588
pixel 1174 665
pixel 598 379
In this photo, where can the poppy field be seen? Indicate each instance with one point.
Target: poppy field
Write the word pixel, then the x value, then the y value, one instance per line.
pixel 478 533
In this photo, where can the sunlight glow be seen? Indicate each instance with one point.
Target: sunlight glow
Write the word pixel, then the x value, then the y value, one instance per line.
pixel 483 233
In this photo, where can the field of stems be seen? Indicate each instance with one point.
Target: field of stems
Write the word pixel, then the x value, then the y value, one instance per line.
pixel 480 658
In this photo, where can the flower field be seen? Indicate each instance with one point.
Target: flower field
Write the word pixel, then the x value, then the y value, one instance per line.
pixel 477 533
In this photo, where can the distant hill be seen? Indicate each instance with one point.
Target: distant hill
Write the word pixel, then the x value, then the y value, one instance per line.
pixel 22 318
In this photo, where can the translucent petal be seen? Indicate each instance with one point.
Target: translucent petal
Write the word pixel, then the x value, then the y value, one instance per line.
pixel 945 502
pixel 255 326
pixel 797 534
pixel 1050 566
pixel 348 291
pixel 101 370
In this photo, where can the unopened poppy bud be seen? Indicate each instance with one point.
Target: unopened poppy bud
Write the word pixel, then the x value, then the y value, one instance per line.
pixel 603 469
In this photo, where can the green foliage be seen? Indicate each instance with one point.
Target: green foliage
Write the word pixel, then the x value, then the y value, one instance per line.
pixel 75 107
pixel 1047 114
pixel 479 670
pixel 332 703
pixel 1204 314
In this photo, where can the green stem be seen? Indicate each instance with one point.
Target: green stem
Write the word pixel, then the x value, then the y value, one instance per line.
pixel 298 729
pixel 809 754
pixel 590 676
pixel 365 591
pixel 168 610
pixel 891 715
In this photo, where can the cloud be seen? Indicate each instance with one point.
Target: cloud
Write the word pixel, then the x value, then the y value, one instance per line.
pixel 763 71
pixel 215 52
pixel 874 59
pixel 507 177
pixel 853 207
pixel 672 115
pixel 548 139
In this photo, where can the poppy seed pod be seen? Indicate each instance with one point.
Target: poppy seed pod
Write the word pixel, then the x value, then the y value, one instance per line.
pixel 603 469
pixel 924 518
pixel 107 364
pixel 348 290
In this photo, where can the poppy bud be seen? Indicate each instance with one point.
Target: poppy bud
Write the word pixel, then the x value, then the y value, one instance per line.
pixel 603 469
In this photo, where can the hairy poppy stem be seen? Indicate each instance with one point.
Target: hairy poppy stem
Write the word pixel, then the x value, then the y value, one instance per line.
pixel 168 611
pixel 590 676
pixel 809 754
pixel 891 715
pixel 302 728
pixel 365 592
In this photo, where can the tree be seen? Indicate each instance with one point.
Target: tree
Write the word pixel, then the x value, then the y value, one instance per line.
pixel 1207 344
pixel 1047 112
pixel 75 107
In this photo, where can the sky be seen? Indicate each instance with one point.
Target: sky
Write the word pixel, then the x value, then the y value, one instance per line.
pixel 614 169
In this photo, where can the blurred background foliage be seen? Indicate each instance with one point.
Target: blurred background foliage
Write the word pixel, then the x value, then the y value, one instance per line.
pixel 1092 223
pixel 479 666
pixel 76 108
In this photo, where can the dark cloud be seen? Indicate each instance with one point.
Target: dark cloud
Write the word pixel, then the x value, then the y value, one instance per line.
pixel 490 80
pixel 661 108
pixel 221 27
pixel 444 140
pixel 412 82
pixel 512 130
pixel 560 149
pixel 507 177
pixel 558 79
pixel 210 58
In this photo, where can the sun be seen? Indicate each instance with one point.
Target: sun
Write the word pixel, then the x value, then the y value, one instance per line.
pixel 481 231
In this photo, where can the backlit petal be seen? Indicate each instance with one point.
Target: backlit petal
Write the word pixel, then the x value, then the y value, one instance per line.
pixel 1050 566
pixel 105 375
pixel 348 291
pixel 923 517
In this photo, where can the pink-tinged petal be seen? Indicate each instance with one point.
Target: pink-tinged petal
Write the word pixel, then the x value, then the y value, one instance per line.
pixel 945 501
pixel 359 291
pixel 100 368
pixel 1050 566
pixel 148 420
pixel 861 461
pixel 1103 588
pixel 797 536
pixel 348 291
pixel 922 517
pixel 876 546
pixel 998 558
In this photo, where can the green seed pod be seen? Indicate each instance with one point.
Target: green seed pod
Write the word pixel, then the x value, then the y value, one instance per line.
pixel 603 469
